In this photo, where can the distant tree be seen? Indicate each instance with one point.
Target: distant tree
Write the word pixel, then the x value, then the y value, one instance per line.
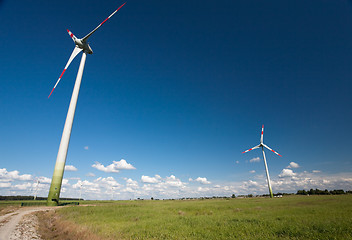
pixel 301 192
pixel 337 192
pixel 151 198
pixel 233 196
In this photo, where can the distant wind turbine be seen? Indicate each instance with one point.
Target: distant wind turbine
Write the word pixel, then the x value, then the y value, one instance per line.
pixel 262 145
pixel 80 45
pixel 80 191
pixel 36 189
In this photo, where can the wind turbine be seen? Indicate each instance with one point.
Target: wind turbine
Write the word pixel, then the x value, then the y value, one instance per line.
pixel 81 45
pixel 262 145
pixel 80 191
pixel 112 193
pixel 36 189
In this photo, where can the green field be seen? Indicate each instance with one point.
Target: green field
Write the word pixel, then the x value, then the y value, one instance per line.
pixel 291 217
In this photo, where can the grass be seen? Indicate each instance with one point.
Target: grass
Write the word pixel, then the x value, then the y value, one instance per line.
pixel 294 217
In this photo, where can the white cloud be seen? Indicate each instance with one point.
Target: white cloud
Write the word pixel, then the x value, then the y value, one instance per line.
pixel 6 176
pixel 145 187
pixel 316 171
pixel 90 174
pixel 5 184
pixel 101 167
pixel 252 171
pixel 293 165
pixel 84 184
pixel 257 159
pixel 237 162
pixel 44 180
pixel 147 179
pixel 75 178
pixel 306 180
pixel 286 173
pixel 86 148
pixel 65 182
pixel 173 181
pixel 70 168
pixel 109 181
pixel 23 186
pixel 202 180
pixel 202 189
pixel 115 167
pixel 131 183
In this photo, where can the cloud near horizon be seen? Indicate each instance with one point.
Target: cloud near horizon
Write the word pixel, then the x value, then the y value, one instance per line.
pixel 202 180
pixel 115 167
pixel 70 168
pixel 286 173
pixel 147 179
pixel 6 176
pixel 172 187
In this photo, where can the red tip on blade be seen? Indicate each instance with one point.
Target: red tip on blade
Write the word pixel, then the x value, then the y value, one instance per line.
pixel 51 92
pixel 121 6
pixel 279 155
pixel 263 126
pixel 70 33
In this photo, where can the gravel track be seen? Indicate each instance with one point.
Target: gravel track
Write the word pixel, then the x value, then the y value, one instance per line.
pixel 20 224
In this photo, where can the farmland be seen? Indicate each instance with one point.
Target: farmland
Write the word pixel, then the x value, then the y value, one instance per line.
pixel 291 217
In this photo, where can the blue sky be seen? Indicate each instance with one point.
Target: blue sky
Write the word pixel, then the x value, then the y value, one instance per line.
pixel 177 90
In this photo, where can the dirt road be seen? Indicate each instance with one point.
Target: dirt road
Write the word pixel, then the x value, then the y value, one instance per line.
pixel 20 224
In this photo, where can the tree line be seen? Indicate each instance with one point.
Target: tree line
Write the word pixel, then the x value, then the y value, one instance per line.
pixel 322 192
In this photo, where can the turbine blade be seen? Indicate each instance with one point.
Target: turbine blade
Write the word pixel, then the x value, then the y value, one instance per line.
pixel 71 35
pixel 271 150
pixel 261 136
pixel 251 149
pixel 88 35
pixel 76 50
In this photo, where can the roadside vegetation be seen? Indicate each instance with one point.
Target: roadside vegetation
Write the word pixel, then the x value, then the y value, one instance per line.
pixel 289 217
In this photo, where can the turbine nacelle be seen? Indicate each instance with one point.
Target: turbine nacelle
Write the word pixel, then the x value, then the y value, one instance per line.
pixel 83 45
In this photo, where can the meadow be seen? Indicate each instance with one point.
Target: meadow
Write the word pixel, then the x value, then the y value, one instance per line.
pixel 290 217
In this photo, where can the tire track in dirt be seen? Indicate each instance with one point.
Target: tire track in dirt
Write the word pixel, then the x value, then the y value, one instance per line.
pixel 9 222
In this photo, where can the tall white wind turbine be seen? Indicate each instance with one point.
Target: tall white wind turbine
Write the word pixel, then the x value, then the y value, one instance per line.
pixel 81 45
pixel 262 145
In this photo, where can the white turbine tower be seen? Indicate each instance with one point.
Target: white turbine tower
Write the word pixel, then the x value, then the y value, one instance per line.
pixel 80 191
pixel 80 45
pixel 262 145
pixel 36 189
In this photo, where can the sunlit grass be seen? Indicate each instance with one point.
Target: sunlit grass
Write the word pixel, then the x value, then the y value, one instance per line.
pixel 294 217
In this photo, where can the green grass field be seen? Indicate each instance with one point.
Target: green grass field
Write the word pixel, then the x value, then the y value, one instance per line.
pixel 292 217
